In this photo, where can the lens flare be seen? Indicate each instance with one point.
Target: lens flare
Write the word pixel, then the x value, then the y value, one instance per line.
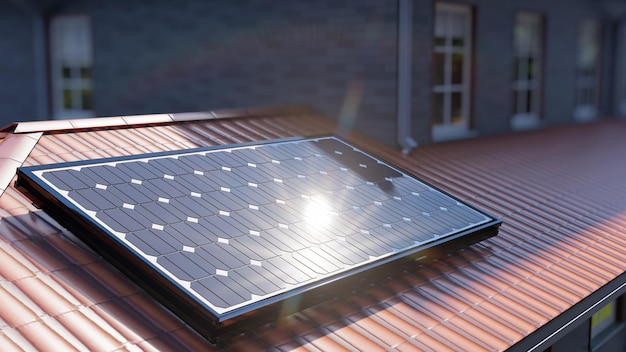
pixel 318 213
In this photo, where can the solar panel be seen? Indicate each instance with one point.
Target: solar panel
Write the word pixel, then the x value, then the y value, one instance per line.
pixel 217 233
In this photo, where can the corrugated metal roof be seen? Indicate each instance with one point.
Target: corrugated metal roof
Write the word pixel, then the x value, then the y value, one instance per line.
pixel 561 193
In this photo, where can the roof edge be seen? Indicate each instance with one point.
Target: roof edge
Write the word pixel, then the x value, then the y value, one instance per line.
pixel 567 321
pixel 50 126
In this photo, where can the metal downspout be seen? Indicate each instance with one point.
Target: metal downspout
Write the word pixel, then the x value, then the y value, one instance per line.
pixel 405 58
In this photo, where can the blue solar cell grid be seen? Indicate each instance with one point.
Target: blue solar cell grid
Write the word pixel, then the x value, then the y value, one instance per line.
pixel 235 226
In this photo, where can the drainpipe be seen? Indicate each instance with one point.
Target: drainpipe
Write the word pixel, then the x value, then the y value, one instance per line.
pixel 405 58
pixel 40 70
pixel 39 55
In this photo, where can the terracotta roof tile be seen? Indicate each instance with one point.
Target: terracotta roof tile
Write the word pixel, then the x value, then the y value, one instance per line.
pixel 433 344
pixel 16 338
pixel 321 342
pixel 12 267
pixel 88 332
pixel 45 297
pixel 150 308
pixel 81 286
pixel 8 231
pixel 123 318
pixel 562 238
pixel 9 345
pixel 71 251
pixel 104 273
pixel 43 338
pixel 44 257
pixel 15 313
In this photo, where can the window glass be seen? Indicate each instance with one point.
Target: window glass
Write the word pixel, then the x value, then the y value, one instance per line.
pixel 527 43
pixel 457 68
pixel 451 67
pixel 457 108
pixel 439 60
pixel 437 108
pixel 71 66
pixel 587 70
pixel 603 319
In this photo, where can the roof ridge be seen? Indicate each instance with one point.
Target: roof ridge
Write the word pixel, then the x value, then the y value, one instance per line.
pixel 149 119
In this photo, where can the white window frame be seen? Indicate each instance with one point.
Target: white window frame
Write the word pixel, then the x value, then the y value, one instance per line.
pixel 524 116
pixel 448 129
pixel 588 71
pixel 71 66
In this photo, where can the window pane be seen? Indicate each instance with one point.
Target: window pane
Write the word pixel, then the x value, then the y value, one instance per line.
pixel 457 111
pixel 85 72
pixel 588 43
pixel 603 319
pixel 527 43
pixel 519 101
pixel 588 63
pixel 71 62
pixel 66 72
pixel 67 98
pixel 457 68
pixel 439 68
pixel 458 41
pixel 529 101
pixel 437 109
pixel 86 99
pixel 520 64
pixel 457 26
pixel 533 69
pixel 451 57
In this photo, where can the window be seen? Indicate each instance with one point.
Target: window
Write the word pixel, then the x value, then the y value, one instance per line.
pixel 71 64
pixel 451 71
pixel 527 67
pixel 607 323
pixel 587 71
pixel 603 319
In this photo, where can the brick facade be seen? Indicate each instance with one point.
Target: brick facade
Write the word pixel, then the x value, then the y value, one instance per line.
pixel 17 91
pixel 339 57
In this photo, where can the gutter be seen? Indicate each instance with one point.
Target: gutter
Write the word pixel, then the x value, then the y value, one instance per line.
pixel 557 328
pixel 405 61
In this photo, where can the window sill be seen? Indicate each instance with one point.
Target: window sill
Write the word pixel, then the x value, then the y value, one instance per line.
pixel 524 122
pixel 451 132
pixel 585 113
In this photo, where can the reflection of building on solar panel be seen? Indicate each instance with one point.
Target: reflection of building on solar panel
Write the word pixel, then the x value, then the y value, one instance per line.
pixel 235 229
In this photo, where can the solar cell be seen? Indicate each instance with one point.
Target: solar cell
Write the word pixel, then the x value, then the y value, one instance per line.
pixel 236 228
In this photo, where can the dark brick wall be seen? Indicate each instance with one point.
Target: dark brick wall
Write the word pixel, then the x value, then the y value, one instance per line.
pixel 17 88
pixel 340 57
pixel 575 341
pixel 493 65
pixel 164 56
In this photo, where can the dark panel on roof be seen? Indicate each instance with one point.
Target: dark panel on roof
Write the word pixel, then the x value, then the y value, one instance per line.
pixel 224 231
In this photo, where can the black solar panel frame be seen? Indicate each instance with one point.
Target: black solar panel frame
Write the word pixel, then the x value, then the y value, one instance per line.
pixel 175 297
